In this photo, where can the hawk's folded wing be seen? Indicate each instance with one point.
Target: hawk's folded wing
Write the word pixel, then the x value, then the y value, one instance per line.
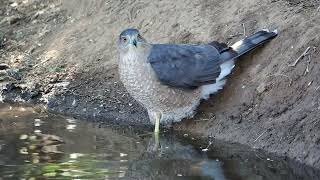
pixel 189 66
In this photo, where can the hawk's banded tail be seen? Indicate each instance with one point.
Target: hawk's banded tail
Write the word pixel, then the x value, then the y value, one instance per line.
pixel 251 42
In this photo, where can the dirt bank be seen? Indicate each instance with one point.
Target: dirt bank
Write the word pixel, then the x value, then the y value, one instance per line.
pixel 62 53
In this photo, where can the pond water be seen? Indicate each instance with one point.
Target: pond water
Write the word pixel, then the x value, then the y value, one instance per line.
pixel 43 146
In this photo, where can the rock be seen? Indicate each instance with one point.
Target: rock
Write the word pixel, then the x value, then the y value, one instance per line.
pixel 13 19
pixel 2 39
pixel 10 20
pixel 4 66
pixel 3 73
pixel 15 73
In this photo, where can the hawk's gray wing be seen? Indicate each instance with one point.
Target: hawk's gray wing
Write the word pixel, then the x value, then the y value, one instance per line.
pixel 189 66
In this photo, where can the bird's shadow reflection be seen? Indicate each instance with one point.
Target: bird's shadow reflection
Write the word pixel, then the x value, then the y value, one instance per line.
pixel 167 155
pixel 154 145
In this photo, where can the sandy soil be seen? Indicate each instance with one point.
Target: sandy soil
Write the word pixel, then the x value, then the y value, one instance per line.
pixel 62 53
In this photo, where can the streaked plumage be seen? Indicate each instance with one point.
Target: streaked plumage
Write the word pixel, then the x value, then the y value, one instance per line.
pixel 171 79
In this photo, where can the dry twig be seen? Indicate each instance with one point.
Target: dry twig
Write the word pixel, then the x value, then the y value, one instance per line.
pixel 207 148
pixel 244 29
pixel 305 53
pixel 308 63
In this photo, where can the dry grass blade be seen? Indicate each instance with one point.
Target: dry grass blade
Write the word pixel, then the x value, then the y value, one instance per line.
pixel 260 135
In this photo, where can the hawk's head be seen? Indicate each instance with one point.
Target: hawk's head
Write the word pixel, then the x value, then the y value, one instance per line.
pixel 130 38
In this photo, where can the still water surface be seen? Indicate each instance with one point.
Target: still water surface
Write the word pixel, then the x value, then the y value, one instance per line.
pixel 44 146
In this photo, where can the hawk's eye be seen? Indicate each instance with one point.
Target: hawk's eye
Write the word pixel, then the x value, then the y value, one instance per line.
pixel 124 39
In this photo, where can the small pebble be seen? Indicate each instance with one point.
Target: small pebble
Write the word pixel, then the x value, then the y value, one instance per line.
pixel 71 121
pixel 75 155
pixel 4 66
pixel 32 138
pixel 123 155
pixel 37 131
pixel 268 159
pixel 71 126
pixel 15 4
pixel 33 147
pixel 23 137
pixel 24 150
pixel 205 150
pixel 74 102
pixel 37 120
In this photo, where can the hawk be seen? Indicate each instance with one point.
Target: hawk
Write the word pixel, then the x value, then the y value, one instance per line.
pixel 169 80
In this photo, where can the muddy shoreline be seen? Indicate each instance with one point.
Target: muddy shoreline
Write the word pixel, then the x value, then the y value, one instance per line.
pixel 62 55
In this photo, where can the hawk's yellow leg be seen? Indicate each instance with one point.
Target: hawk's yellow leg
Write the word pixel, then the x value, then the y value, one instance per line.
pixel 157 123
pixel 157 127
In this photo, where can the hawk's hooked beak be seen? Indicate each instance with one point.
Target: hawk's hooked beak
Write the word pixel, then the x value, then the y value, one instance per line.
pixel 134 42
